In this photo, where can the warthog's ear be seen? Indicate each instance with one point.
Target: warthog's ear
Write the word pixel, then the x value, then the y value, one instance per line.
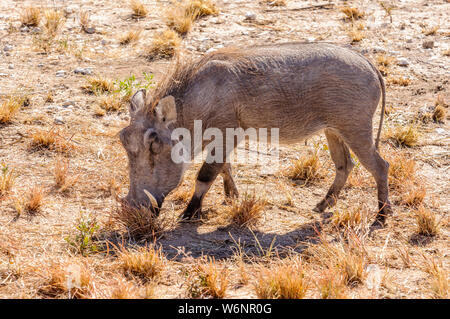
pixel 166 111
pixel 137 101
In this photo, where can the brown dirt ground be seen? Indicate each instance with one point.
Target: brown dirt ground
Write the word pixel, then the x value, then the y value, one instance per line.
pixel 29 245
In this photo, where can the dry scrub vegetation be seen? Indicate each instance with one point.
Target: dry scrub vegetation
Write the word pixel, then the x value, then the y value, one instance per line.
pixel 67 73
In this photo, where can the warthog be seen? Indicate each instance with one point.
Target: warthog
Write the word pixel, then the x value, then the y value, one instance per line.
pixel 300 88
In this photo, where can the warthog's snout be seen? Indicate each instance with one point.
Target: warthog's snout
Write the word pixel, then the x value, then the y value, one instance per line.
pixel 146 199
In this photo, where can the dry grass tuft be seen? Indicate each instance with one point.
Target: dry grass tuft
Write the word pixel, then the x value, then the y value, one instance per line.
pixel 70 279
pixel 140 223
pixel 200 8
pixel 84 20
pixel 349 218
pixel 246 211
pixel 439 114
pixel 52 139
pixel 430 30
pixel 346 258
pixel 30 17
pixel 145 262
pixel 307 168
pixel 131 36
pixel 9 108
pixel 402 170
pixel 207 280
pixel 182 16
pixel 110 103
pixel 403 135
pixel 164 45
pixel 399 80
pixel 275 3
pixel 285 281
pixel 53 21
pixel 98 85
pixel 331 285
pixel 413 195
pixel 6 179
pixel 138 8
pixel 427 222
pixel 352 13
pixel 439 278
pixel 63 180
pixel 32 202
pixel 356 35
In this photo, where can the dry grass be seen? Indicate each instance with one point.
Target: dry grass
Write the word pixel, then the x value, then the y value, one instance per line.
pixel 68 279
pixel 145 262
pixel 402 170
pixel 307 168
pixel 207 280
pixel 52 139
pixel 352 13
pixel 430 30
pixel 412 195
pixel 63 179
pixel 8 109
pixel 399 80
pixel 138 8
pixel 356 35
pixel 439 277
pixel 84 20
pixel 284 281
pixel 349 218
pixel 439 114
pixel 98 85
pixel 6 179
pixel 347 258
pixel 182 15
pixel 31 202
pixel 30 16
pixel 140 223
pixel 164 45
pixel 110 103
pixel 275 3
pixel 246 211
pixel 53 22
pixel 403 135
pixel 331 285
pixel 426 221
pixel 132 36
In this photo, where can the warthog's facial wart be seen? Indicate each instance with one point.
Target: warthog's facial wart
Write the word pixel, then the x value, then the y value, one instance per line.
pixel 148 143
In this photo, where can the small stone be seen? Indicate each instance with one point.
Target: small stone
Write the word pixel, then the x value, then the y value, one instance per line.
pixel 24 29
pixel 90 30
pixel 60 73
pixel 378 49
pixel 36 30
pixel 83 71
pixel 4 75
pixel 58 120
pixel 250 16
pixel 7 48
pixel 428 44
pixel 402 62
pixel 66 104
pixel 11 66
pixel 40 65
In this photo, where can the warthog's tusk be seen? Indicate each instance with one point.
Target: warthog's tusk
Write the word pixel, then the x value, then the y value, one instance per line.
pixel 152 199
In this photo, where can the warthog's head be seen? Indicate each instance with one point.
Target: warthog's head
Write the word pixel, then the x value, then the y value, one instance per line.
pixel 148 143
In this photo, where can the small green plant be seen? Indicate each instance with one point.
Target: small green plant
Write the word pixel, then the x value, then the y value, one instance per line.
pixel 130 84
pixel 83 242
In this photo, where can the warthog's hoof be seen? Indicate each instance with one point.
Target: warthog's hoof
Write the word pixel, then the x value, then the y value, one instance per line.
pixel 193 209
pixel 327 202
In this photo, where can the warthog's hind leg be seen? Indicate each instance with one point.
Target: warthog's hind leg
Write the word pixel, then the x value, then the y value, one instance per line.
pixel 343 162
pixel 205 178
pixel 228 182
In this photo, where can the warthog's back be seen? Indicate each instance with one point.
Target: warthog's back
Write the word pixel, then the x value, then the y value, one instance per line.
pixel 297 87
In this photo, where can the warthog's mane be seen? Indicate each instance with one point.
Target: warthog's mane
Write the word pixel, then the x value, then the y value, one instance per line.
pixel 183 71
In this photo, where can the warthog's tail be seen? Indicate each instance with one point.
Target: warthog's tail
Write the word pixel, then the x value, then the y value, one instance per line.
pixel 383 106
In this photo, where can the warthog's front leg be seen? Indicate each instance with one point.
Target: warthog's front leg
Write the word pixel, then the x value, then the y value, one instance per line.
pixel 205 178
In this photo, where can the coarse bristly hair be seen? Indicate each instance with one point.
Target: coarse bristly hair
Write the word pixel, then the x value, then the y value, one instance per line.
pixel 184 70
